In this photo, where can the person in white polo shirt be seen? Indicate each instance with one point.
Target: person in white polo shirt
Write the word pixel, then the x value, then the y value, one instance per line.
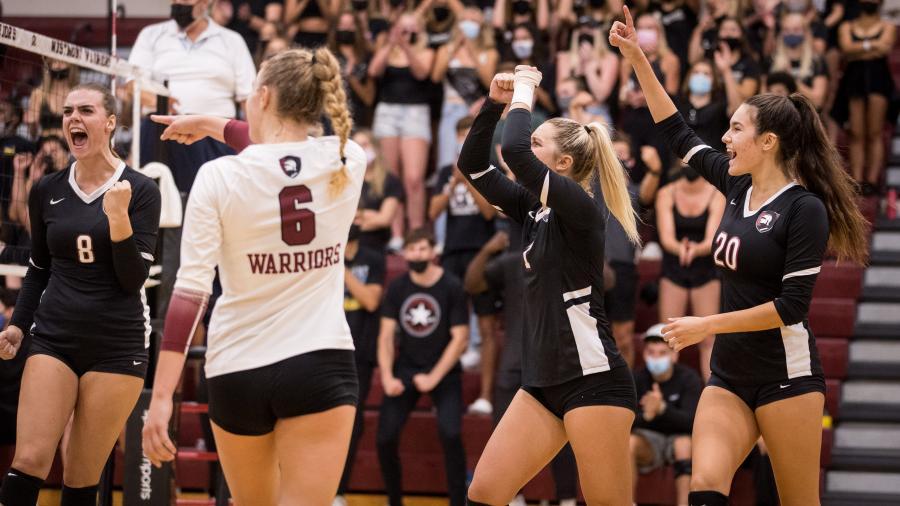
pixel 209 70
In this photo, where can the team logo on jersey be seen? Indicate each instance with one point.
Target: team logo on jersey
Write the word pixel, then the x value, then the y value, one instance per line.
pixel 420 315
pixel 290 165
pixel 766 221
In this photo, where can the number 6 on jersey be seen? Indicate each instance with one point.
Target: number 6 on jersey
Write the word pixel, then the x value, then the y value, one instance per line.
pixel 298 224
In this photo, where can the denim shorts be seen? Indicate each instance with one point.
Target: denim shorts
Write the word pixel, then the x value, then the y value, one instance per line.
pixel 402 120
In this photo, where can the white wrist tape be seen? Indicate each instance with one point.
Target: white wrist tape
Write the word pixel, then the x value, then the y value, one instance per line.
pixel 523 93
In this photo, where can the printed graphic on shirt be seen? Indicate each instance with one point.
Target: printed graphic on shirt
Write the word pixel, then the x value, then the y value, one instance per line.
pixel 420 314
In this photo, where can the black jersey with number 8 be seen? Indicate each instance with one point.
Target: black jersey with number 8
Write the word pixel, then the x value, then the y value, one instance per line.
pixel 769 254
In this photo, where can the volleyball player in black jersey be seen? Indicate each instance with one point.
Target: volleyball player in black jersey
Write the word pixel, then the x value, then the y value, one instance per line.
pixel 576 385
pixel 82 303
pixel 788 198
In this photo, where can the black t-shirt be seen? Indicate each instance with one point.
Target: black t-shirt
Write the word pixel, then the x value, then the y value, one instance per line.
pixel 424 317
pixel 772 254
pixel 681 395
pixel 257 8
pixel 467 229
pixel 83 301
pixel 679 24
pixel 378 239
pixel 368 267
pixel 745 68
pixel 505 274
pixel 710 121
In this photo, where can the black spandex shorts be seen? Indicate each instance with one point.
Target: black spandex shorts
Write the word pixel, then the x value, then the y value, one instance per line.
pixel 755 396
pixel 701 271
pixel 621 299
pixel 83 359
pixel 611 388
pixel 248 403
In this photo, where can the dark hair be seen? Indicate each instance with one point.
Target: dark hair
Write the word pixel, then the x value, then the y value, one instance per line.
pixel 51 138
pixel 715 92
pixel 806 153
pixel 784 79
pixel 108 100
pixel 538 50
pixel 620 136
pixel 464 124
pixel 654 339
pixel 419 234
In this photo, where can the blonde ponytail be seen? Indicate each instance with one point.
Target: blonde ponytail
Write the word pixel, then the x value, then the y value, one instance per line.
pixel 613 181
pixel 327 71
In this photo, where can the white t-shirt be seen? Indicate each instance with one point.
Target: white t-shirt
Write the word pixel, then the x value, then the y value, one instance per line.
pixel 206 76
pixel 266 219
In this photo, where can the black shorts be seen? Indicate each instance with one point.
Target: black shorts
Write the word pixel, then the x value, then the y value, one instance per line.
pixel 611 388
pixel 83 359
pixel 248 403
pixel 621 299
pixel 755 396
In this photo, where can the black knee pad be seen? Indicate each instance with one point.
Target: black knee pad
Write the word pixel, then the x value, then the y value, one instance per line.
pixel 82 496
pixel 707 498
pixel 682 467
pixel 20 489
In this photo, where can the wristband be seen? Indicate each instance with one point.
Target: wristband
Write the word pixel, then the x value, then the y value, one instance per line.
pixel 523 93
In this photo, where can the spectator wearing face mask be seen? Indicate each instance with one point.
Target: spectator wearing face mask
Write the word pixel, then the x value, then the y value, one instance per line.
pixel 465 67
pixel 509 14
pixel 688 212
pixel 590 62
pixel 528 48
pixel 668 393
pixel 52 156
pixel 744 67
pixel 44 114
pixel 348 43
pixel 381 198
pixel 706 102
pixel 795 54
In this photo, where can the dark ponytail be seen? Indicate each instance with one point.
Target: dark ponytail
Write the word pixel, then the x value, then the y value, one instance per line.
pixel 808 155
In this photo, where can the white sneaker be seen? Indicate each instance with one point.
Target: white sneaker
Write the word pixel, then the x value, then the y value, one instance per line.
pixel 339 500
pixel 568 502
pixel 481 407
pixel 651 251
pixel 519 501
pixel 471 359
pixel 395 244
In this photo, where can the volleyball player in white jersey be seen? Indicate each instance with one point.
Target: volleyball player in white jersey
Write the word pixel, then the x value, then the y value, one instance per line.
pixel 274 219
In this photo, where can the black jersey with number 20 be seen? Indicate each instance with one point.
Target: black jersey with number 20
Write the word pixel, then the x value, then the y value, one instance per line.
pixel 84 299
pixel 566 334
pixel 769 254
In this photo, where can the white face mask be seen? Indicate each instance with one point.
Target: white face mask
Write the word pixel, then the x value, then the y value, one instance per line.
pixel 522 48
pixel 370 155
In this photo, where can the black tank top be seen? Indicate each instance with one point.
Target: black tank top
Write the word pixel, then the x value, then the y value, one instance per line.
pixel 692 227
pixel 465 81
pixel 312 10
pixel 48 118
pixel 399 86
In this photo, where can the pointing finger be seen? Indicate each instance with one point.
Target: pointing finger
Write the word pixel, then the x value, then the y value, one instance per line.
pixel 628 21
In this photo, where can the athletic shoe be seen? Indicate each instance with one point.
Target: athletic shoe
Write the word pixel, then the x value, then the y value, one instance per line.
pixel 481 407
pixel 471 359
pixel 519 501
pixel 568 502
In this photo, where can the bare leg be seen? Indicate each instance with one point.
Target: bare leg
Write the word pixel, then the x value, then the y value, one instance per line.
pixel 415 159
pixel 725 431
pixel 600 438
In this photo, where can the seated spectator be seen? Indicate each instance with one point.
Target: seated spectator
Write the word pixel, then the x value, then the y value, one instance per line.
pixel 363 287
pixel 592 64
pixel 867 86
pixel 470 224
pixel 465 66
pixel 668 393
pixel 45 107
pixel 424 330
pixel 781 83
pixel 795 54
pixel 688 212
pixel 381 198
pixel 402 123
pixel 498 268
pixel 348 43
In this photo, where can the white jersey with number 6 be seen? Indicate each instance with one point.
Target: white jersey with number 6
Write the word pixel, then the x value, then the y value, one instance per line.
pixel 266 218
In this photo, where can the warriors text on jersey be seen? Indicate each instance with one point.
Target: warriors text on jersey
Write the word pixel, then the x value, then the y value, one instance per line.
pixel 566 334
pixel 769 254
pixel 84 299
pixel 266 218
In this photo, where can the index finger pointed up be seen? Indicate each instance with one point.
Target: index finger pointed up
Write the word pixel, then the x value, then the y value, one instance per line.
pixel 629 23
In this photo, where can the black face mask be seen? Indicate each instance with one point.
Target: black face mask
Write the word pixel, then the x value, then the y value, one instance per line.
pixel 733 43
pixel 586 38
pixel 441 14
pixel 183 14
pixel 521 7
pixel 597 4
pixel 359 5
pixel 413 38
pixel 59 75
pixel 690 174
pixel 345 37
pixel 418 266
pixel 869 8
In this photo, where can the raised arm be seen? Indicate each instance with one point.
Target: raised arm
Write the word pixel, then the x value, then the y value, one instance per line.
pixel 475 157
